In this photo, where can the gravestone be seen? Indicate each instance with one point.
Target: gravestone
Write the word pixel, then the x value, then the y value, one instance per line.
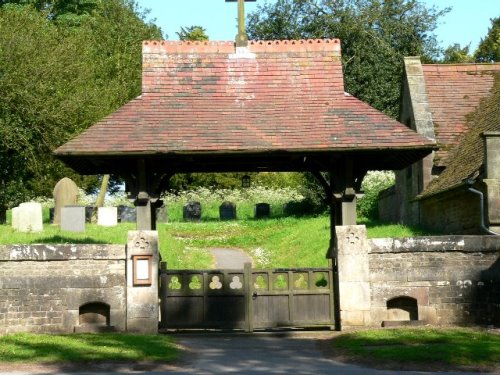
pixel 262 210
pixel 107 216
pixel 28 217
pixel 65 194
pixel 192 211
pixel 127 214
pixel 89 211
pixel 15 217
pixel 73 218
pixel 162 214
pixel 3 215
pixel 227 211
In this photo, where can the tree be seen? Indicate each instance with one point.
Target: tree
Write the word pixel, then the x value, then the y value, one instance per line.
pixel 375 36
pixel 192 33
pixel 457 54
pixel 489 47
pixel 56 79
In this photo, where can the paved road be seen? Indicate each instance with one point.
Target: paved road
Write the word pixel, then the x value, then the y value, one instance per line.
pixel 256 354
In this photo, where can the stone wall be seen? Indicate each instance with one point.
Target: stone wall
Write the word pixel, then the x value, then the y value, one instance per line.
pixel 453 279
pixel 456 211
pixel 43 287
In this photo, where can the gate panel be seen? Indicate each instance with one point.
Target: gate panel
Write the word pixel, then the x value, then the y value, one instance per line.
pixel 236 299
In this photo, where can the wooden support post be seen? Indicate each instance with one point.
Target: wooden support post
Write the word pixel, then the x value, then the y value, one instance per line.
pixel 333 251
pixel 163 294
pixel 249 297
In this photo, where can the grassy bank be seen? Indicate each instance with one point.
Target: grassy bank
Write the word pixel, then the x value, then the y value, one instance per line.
pixel 37 348
pixel 421 348
pixel 276 242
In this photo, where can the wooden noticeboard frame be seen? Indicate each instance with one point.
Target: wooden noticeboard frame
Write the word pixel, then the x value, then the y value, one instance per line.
pixel 142 269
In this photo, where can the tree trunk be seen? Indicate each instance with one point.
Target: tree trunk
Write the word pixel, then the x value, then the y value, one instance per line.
pixel 101 196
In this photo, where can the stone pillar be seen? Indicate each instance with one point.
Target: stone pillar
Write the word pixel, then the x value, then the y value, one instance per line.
pixel 492 161
pixel 354 275
pixel 142 295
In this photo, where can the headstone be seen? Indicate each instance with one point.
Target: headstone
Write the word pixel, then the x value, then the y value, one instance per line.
pixel 107 216
pixel 3 215
pixel 262 210
pixel 65 194
pixel 89 211
pixel 192 211
pixel 73 218
pixel 227 211
pixel 127 214
pixel 28 217
pixel 162 214
pixel 15 218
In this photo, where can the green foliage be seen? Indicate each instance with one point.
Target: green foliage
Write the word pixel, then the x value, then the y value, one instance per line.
pixel 38 348
pixel 457 55
pixel 57 77
pixel 245 200
pixel 187 181
pixel 375 36
pixel 425 346
pixel 489 47
pixel 192 33
pixel 373 183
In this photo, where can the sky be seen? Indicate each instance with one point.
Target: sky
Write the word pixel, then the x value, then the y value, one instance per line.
pixel 466 23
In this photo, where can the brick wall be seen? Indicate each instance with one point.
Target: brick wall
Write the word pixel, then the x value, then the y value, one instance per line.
pixel 455 279
pixel 42 287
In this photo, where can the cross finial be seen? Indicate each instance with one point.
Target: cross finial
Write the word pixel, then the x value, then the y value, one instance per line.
pixel 241 37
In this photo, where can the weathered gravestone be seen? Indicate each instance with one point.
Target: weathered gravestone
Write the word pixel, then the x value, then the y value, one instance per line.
pixel 89 212
pixel 192 211
pixel 28 217
pixel 162 214
pixel 127 214
pixel 3 215
pixel 73 218
pixel 107 216
pixel 15 217
pixel 65 194
pixel 262 210
pixel 227 211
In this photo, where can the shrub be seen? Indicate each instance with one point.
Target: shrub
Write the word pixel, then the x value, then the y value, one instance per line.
pixel 373 183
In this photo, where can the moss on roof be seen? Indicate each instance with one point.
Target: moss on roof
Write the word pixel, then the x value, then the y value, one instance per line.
pixel 467 158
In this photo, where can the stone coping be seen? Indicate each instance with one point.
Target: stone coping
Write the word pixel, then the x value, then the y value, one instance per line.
pixel 47 252
pixel 467 244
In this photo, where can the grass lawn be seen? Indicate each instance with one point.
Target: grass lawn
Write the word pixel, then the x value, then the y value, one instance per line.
pixel 38 348
pixel 423 348
pixel 276 242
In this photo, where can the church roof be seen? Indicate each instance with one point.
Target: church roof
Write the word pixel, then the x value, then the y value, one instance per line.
pixel 454 91
pixel 207 99
pixel 466 160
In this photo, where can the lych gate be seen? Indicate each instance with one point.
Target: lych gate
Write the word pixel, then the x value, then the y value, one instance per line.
pixel 270 106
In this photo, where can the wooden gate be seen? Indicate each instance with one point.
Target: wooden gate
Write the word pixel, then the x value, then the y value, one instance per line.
pixel 246 299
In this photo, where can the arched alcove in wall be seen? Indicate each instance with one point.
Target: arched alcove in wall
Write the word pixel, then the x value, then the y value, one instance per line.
pixel 94 313
pixel 402 308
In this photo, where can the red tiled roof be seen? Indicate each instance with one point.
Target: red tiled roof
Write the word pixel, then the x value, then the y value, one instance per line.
pixel 454 91
pixel 202 97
